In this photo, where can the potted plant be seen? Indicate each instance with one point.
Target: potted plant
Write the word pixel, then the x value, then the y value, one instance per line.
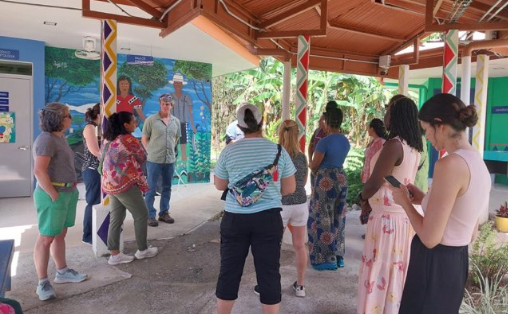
pixel 502 217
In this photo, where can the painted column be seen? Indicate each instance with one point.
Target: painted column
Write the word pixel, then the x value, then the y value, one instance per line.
pixel 465 88
pixel 403 79
pixel 302 73
pixel 100 216
pixel 480 101
pixel 450 59
pixel 286 90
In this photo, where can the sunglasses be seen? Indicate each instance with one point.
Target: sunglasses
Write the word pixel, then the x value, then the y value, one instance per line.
pixel 68 116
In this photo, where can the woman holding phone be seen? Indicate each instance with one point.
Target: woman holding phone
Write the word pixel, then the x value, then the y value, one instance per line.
pixel 438 267
pixel 389 233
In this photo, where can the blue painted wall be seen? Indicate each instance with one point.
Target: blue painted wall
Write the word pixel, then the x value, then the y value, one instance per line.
pixel 30 51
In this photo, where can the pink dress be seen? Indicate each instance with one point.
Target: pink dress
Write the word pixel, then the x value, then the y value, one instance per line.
pixel 387 244
pixel 373 147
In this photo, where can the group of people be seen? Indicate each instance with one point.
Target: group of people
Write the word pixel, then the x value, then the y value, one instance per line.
pixel 415 257
pixel 112 165
pixel 411 262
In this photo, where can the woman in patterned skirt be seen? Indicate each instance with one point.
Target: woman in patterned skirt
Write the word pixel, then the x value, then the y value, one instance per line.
pixel 388 238
pixel 327 204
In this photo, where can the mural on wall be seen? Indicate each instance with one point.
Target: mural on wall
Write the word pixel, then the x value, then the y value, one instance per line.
pixel 7 127
pixel 76 82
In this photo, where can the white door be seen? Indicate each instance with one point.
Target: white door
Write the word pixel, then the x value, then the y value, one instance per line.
pixel 16 157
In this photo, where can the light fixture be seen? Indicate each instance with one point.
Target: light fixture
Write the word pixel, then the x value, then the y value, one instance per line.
pixel 49 23
pixel 125 49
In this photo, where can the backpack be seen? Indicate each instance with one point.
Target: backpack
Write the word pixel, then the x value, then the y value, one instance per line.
pixel 250 188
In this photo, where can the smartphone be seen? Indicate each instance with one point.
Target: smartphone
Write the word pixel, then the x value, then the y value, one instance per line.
pixel 394 182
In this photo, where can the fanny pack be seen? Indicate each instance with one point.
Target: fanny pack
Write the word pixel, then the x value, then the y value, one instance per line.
pixel 250 188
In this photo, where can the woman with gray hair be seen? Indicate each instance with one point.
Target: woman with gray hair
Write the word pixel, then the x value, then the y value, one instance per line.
pixel 55 197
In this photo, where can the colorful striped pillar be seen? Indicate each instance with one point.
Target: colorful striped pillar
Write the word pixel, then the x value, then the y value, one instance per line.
pixel 480 101
pixel 100 215
pixel 465 82
pixel 403 79
pixel 302 73
pixel 450 59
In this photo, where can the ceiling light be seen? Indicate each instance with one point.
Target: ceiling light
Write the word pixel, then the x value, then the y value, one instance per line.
pixel 125 49
pixel 49 23
pixel 498 68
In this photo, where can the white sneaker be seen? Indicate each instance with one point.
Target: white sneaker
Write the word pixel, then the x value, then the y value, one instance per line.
pixel 120 258
pixel 299 290
pixel 149 252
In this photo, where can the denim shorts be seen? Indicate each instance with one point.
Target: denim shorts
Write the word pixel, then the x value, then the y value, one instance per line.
pixel 53 217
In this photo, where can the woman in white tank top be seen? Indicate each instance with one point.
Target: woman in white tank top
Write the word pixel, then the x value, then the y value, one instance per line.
pixel 438 265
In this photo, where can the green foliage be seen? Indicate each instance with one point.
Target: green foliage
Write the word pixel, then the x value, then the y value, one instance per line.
pixel 272 130
pixel 148 78
pixel 194 70
pixel 489 257
pixel 200 74
pixel 490 298
pixel 65 73
pixel 353 167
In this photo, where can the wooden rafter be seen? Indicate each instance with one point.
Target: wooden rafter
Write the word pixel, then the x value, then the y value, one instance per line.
pixel 364 32
pixel 286 15
pixel 431 27
pixel 147 8
pixel 119 18
pixel 294 33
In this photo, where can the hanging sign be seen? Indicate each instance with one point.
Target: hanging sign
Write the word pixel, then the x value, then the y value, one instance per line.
pixel 500 110
pixel 141 60
pixel 9 54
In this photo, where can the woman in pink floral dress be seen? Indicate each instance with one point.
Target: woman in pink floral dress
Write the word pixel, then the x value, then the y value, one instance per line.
pixel 389 233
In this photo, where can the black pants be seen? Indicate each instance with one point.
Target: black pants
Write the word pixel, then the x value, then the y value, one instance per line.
pixel 262 232
pixel 436 279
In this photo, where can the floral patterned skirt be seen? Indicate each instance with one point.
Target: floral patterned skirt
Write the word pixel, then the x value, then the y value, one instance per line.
pixel 327 218
pixel 384 262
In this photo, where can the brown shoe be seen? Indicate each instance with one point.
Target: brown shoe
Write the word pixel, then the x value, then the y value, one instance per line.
pixel 166 218
pixel 152 222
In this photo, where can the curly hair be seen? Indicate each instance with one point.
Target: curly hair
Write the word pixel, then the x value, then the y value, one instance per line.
pixel 92 113
pixel 116 125
pixel 379 128
pixel 404 122
pixel 52 116
pixel 448 109
pixel 333 115
pixel 288 137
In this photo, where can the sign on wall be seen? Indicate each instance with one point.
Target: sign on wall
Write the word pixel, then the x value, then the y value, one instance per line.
pixel 9 54
pixel 7 127
pixel 500 110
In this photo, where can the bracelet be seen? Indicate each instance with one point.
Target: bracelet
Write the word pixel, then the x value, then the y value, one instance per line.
pixel 361 198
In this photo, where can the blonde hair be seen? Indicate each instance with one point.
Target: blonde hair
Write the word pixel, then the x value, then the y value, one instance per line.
pixel 288 137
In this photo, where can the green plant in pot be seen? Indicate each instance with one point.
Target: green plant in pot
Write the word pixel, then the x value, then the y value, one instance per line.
pixel 502 217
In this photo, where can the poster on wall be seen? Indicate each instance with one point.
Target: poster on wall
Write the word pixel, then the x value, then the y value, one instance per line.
pixel 76 82
pixel 7 127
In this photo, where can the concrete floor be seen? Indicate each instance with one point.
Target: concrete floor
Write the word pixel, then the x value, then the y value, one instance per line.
pixel 181 279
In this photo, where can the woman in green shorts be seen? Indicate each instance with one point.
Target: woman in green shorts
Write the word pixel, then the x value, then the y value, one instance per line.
pixel 55 197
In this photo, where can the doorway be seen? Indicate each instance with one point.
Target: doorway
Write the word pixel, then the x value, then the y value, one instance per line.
pixel 16 112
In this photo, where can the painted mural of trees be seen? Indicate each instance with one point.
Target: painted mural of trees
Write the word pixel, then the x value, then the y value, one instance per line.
pixel 67 74
pixel 199 74
pixel 147 78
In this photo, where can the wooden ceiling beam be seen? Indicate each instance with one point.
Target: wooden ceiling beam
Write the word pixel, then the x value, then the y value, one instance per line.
pixel 147 8
pixel 215 12
pixel 119 18
pixel 180 15
pixel 431 27
pixel 295 33
pixel 286 15
pixel 364 32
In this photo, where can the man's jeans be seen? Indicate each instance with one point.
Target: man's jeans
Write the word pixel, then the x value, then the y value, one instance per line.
pixel 92 180
pixel 154 171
